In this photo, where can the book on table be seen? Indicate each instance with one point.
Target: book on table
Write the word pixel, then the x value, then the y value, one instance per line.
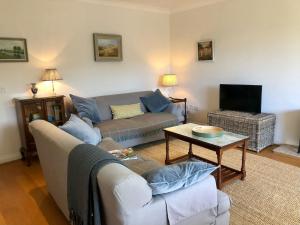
pixel 124 154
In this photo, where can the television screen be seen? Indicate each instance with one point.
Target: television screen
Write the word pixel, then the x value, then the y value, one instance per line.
pixel 245 98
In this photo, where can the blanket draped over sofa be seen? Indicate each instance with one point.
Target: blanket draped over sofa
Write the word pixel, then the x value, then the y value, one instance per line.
pixel 84 162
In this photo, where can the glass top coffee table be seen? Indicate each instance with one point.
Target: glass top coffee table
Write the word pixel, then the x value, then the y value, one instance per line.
pixel 218 144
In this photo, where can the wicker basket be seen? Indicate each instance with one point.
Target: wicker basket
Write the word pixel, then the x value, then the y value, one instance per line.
pixel 260 127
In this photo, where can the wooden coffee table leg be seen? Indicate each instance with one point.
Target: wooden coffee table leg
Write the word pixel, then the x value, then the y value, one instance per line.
pixel 219 176
pixel 243 169
pixel 167 149
pixel 190 150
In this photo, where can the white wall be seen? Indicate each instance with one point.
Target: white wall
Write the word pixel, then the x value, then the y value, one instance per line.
pixel 256 42
pixel 59 34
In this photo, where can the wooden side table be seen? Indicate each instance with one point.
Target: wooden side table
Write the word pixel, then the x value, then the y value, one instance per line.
pixel 219 145
pixel 51 109
pixel 181 100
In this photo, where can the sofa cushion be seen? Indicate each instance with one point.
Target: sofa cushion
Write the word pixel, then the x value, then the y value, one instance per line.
pixel 81 130
pixel 156 102
pixel 126 111
pixel 108 144
pixel 142 165
pixel 86 108
pixel 104 102
pixel 173 177
pixel 138 126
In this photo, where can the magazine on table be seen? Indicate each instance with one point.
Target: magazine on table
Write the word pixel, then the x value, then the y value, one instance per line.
pixel 124 154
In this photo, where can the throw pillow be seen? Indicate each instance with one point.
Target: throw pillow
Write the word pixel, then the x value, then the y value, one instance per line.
pixel 86 107
pixel 81 130
pixel 173 177
pixel 126 111
pixel 155 102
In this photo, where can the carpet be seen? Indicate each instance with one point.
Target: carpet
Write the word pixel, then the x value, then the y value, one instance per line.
pixel 288 150
pixel 270 194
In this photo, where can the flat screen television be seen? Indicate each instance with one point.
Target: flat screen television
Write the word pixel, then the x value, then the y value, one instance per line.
pixel 244 98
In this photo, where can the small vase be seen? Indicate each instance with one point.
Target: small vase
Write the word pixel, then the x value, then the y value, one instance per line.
pixel 34 89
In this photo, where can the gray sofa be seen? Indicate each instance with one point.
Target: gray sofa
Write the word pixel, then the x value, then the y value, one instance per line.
pixel 137 130
pixel 126 197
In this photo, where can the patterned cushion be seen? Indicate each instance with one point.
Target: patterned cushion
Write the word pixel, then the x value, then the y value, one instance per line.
pixel 138 126
pixel 126 111
pixel 156 102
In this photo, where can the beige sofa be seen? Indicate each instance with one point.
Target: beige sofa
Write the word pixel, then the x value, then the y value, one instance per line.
pixel 127 198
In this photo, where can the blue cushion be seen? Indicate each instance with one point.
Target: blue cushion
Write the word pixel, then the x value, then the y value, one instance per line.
pixel 173 177
pixel 86 107
pixel 81 130
pixel 155 102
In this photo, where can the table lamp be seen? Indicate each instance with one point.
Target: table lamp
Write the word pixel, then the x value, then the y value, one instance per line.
pixel 169 81
pixel 51 75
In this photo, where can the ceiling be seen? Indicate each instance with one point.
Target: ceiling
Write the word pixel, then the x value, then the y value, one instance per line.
pixel 158 5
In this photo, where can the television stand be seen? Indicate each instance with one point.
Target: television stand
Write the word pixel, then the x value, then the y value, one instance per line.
pixel 259 127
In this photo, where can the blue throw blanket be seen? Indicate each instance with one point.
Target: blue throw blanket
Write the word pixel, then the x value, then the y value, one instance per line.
pixel 84 199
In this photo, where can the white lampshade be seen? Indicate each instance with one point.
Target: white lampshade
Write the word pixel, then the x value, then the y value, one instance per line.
pixel 51 75
pixel 169 80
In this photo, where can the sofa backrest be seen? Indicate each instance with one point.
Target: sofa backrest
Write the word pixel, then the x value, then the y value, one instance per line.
pixel 104 102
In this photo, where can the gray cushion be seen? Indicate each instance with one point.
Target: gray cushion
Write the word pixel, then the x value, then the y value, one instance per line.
pixel 139 126
pixel 86 108
pixel 109 144
pixel 104 102
pixel 155 102
pixel 181 175
pixel 81 130
pixel 142 165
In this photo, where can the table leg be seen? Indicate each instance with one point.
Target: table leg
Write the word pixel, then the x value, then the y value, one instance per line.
pixel 167 149
pixel 219 176
pixel 243 169
pixel 190 150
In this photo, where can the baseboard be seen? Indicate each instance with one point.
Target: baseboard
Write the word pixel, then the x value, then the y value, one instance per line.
pixel 9 157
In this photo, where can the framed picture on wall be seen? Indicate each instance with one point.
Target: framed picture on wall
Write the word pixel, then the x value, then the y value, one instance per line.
pixel 107 47
pixel 205 50
pixel 13 50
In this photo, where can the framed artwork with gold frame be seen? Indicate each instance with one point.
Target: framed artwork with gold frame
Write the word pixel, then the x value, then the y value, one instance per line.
pixel 107 47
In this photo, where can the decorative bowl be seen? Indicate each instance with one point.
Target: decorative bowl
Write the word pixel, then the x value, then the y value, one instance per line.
pixel 207 131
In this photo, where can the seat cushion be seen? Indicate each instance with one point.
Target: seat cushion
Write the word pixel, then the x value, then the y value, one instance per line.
pixel 142 165
pixel 140 126
pixel 108 144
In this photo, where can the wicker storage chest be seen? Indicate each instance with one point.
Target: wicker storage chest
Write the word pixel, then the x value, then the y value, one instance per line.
pixel 260 127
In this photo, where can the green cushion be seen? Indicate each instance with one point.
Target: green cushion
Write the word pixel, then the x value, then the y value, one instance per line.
pixel 126 111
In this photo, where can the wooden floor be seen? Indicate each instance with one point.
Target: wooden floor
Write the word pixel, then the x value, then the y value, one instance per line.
pixel 24 199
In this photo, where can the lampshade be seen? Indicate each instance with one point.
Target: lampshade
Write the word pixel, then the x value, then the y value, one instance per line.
pixel 169 80
pixel 51 75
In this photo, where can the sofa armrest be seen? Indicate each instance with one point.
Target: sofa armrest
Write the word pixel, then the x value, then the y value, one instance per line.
pixel 224 203
pixel 122 190
pixel 177 110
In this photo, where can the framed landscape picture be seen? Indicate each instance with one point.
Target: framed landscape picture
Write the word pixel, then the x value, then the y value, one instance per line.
pixel 205 50
pixel 108 47
pixel 13 50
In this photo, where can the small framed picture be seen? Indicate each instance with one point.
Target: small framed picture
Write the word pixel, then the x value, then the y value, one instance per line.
pixel 205 50
pixel 108 47
pixel 13 50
